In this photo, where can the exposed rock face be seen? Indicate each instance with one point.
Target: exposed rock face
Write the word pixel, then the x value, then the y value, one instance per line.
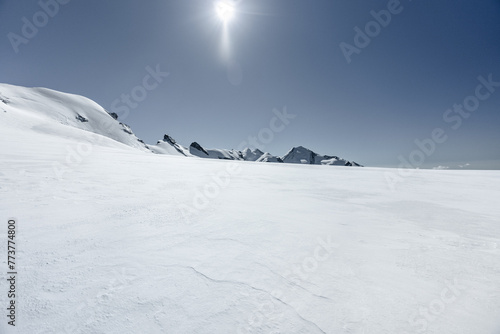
pixel 302 155
pixel 81 118
pixel 113 114
pixel 168 139
pixel 196 149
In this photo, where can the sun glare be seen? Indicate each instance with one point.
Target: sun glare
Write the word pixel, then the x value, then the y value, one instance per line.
pixel 225 11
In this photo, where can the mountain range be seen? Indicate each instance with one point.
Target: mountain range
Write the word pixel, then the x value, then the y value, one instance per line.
pixel 81 113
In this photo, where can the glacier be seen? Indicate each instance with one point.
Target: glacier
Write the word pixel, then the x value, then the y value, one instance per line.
pixel 114 239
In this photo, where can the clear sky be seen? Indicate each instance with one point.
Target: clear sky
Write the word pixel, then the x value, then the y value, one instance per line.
pixel 225 80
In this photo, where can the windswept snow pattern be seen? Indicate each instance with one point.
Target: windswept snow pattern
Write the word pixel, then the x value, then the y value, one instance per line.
pixel 125 241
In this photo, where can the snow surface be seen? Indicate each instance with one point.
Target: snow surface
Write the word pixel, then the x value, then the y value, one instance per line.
pixel 112 239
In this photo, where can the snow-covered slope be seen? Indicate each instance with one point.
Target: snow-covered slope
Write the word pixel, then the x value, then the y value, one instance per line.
pixel 169 146
pixel 251 155
pixel 302 155
pixel 43 109
pixel 129 242
pixel 268 157
pixel 114 240
pixel 197 150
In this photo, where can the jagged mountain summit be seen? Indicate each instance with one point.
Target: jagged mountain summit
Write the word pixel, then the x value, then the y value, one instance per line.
pixel 297 155
pixel 169 146
pixel 61 114
pixel 268 157
pixel 252 155
pixel 302 155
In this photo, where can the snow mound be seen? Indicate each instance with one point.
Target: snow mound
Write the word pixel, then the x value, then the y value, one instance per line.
pixel 42 108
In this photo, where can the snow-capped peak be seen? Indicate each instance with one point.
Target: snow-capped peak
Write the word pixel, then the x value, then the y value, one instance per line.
pixel 268 157
pixel 302 155
pixel 251 155
pixel 169 146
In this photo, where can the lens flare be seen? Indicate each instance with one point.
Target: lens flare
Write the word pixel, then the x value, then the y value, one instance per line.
pixel 225 11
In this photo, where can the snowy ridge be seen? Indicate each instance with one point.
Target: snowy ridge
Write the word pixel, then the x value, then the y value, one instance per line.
pixel 44 107
pixel 302 155
pixel 297 155
pixel 198 151
pixel 169 146
pixel 84 114
pixel 268 157
pixel 252 155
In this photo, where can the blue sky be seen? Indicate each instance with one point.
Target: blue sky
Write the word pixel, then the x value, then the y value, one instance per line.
pixel 280 53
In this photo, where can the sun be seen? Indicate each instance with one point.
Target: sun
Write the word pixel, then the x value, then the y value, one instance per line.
pixel 225 11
